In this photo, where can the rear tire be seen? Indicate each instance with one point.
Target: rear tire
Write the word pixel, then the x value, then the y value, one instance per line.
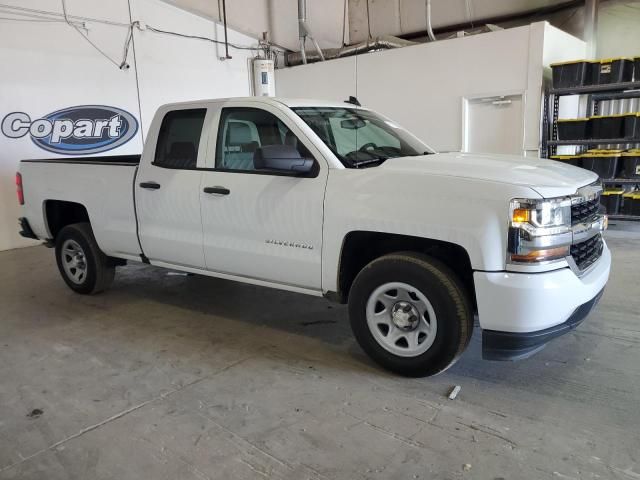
pixel 410 314
pixel 83 266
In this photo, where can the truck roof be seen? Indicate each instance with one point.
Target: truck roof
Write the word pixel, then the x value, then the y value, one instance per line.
pixel 289 102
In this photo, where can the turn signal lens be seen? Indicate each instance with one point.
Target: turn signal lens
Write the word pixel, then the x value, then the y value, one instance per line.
pixel 542 255
pixel 520 215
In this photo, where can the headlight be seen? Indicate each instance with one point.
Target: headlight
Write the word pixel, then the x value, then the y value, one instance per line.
pixel 539 230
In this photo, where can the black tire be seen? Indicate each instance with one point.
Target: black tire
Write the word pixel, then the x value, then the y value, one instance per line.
pixel 444 292
pixel 100 271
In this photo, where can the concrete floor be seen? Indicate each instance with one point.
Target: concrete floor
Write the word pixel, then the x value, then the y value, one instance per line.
pixel 174 377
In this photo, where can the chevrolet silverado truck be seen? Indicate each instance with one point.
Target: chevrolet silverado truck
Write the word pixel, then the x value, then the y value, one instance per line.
pixel 335 200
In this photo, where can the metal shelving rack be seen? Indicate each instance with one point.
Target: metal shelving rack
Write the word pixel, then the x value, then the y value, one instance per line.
pixel 596 94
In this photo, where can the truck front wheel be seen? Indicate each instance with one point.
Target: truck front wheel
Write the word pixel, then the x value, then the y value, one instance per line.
pixel 410 313
pixel 83 266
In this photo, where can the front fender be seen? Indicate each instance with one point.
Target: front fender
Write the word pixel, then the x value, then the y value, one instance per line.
pixel 466 212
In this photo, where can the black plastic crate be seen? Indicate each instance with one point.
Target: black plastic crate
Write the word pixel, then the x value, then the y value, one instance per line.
pixel 607 126
pixel 627 204
pixel 630 164
pixel 636 69
pixel 635 208
pixel 575 160
pixel 575 73
pixel 611 200
pixel 631 127
pixel 613 70
pixel 630 203
pixel 603 162
pixel 573 129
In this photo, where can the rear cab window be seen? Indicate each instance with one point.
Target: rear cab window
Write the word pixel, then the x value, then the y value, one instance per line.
pixel 179 139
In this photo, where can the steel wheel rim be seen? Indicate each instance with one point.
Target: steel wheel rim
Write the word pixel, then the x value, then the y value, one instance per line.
pixel 74 261
pixel 390 322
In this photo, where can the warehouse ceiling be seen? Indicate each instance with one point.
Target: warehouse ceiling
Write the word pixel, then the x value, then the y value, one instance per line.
pixel 365 18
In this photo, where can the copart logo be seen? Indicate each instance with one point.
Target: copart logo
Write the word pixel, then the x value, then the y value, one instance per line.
pixel 74 130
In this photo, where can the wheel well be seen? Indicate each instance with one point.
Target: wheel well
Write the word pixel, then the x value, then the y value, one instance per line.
pixel 59 214
pixel 360 248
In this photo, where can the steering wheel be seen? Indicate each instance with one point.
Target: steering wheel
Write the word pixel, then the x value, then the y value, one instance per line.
pixel 367 146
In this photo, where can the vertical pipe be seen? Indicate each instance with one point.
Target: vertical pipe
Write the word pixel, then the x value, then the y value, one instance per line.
pixel 302 13
pixel 224 19
pixel 302 32
pixel 432 37
pixel 591 27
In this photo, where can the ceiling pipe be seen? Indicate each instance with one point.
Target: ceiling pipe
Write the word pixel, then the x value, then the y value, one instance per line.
pixel 304 32
pixel 380 43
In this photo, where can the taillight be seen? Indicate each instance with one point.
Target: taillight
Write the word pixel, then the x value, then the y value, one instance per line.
pixel 19 190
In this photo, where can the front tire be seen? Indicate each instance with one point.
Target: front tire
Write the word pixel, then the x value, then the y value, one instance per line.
pixel 83 266
pixel 410 314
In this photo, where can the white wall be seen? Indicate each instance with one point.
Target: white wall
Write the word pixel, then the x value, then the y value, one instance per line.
pixel 422 86
pixel 174 69
pixel 48 66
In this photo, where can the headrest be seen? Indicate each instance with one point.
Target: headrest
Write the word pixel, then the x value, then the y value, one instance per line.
pixel 238 133
pixel 290 138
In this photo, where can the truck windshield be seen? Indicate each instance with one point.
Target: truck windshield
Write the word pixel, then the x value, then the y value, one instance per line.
pixel 360 137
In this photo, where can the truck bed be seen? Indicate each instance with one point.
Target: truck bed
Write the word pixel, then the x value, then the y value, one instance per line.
pixel 102 184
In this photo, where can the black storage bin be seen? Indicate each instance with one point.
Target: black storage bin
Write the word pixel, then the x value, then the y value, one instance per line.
pixel 571 74
pixel 631 127
pixel 627 204
pixel 631 164
pixel 602 162
pixel 611 200
pixel 635 207
pixel 630 204
pixel 575 160
pixel 607 126
pixel 614 70
pixel 573 129
pixel 636 69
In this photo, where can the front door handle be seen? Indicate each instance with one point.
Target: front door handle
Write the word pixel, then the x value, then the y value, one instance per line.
pixel 150 185
pixel 217 190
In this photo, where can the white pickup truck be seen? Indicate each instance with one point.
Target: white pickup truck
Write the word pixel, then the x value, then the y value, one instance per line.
pixel 334 200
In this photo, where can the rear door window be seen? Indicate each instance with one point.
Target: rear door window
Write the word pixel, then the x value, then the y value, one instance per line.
pixel 179 139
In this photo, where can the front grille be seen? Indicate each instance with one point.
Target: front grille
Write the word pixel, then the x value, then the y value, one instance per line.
pixel 584 211
pixel 587 252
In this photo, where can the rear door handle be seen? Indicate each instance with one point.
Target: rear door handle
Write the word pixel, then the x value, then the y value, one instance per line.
pixel 217 190
pixel 150 185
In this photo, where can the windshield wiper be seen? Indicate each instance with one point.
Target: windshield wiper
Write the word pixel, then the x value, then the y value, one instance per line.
pixel 369 162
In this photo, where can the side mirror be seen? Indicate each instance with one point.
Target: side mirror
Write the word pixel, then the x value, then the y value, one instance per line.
pixel 281 158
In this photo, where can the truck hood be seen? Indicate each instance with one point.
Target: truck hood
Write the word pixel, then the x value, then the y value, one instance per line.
pixel 549 178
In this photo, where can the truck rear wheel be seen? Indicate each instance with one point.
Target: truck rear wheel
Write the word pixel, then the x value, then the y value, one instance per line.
pixel 410 313
pixel 83 266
